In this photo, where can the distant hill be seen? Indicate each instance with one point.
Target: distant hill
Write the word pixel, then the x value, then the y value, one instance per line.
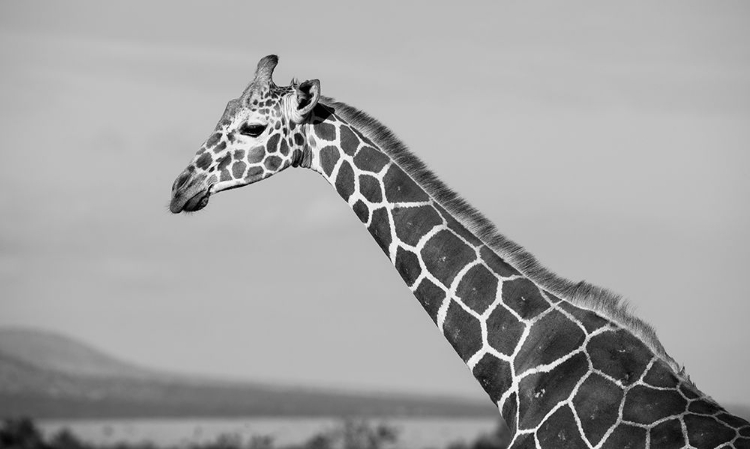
pixel 56 352
pixel 46 375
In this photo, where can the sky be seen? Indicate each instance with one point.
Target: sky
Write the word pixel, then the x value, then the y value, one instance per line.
pixel 611 140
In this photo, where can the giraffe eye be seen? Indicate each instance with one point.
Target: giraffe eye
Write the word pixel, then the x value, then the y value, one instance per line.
pixel 252 130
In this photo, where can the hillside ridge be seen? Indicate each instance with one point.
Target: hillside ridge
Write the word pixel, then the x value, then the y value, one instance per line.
pixel 50 376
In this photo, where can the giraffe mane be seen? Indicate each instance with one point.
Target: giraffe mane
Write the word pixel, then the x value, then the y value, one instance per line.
pixel 582 294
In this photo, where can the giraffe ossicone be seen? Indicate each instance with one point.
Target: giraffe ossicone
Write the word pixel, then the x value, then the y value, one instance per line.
pixel 564 362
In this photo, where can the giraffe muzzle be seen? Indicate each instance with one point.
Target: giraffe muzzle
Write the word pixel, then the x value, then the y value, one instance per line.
pixel 192 204
pixel 189 194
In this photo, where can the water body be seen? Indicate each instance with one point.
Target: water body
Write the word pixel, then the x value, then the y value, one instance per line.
pixel 413 432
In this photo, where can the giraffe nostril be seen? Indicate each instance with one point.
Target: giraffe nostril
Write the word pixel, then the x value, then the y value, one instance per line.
pixel 180 181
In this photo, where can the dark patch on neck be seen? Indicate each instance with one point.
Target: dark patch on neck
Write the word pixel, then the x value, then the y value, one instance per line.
pixel 349 142
pixel 524 298
pixel 619 355
pixel 462 331
pixel 477 288
pixel 494 375
pixel 510 413
pixel 380 229
pixel 362 211
pixel 541 392
pixel 504 330
pixel 325 131
pixel 431 297
pixel 646 405
pixel 370 188
pixel 371 160
pixel 345 180
pixel 445 255
pixel 597 404
pixel 560 431
pixel 407 264
pixel 668 435
pixel 550 338
pixel 412 223
pixel 400 188
pixel 328 157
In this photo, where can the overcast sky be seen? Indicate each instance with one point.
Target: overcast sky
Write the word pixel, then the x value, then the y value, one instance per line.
pixel 613 141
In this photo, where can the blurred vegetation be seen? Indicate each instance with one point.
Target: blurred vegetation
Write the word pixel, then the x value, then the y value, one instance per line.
pixel 22 433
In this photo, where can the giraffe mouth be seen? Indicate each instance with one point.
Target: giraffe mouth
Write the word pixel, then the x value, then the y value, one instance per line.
pixel 194 203
pixel 190 192
pixel 197 201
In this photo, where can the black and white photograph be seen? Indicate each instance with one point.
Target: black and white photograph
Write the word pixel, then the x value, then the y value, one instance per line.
pixel 382 225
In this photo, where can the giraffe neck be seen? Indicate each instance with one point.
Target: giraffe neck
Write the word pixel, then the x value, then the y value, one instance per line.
pixel 540 356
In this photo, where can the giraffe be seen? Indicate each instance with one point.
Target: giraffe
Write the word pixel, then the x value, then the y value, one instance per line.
pixel 565 363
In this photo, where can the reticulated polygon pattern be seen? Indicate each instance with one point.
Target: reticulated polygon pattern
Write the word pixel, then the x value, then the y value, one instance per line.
pixel 561 375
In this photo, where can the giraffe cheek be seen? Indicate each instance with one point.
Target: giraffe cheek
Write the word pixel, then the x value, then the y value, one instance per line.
pixel 273 143
pixel 255 155
pixel 272 163
pixel 238 168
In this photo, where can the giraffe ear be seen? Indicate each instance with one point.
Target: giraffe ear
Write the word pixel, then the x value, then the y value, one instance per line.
pixel 306 96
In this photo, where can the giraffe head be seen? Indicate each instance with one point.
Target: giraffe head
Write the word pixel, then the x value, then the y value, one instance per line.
pixel 258 135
